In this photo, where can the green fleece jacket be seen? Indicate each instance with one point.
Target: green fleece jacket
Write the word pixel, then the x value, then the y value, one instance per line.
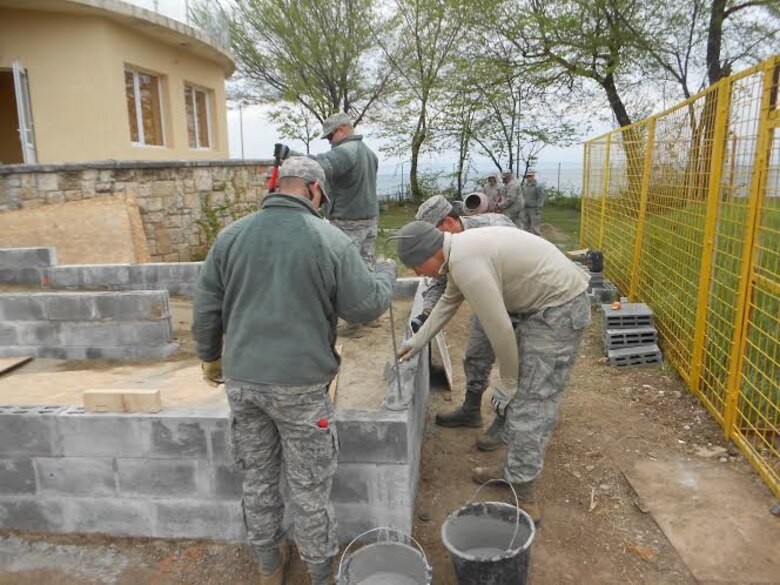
pixel 274 284
pixel 350 167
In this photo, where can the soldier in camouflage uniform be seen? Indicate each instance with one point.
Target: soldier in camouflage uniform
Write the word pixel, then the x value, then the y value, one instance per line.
pixel 494 193
pixel 498 270
pixel 533 198
pixel 350 168
pixel 274 285
pixel 479 358
pixel 513 205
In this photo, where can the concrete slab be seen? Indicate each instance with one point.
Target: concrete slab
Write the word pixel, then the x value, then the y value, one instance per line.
pixel 717 519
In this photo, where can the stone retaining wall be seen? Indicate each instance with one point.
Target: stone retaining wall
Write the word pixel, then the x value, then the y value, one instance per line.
pixel 86 325
pixel 173 196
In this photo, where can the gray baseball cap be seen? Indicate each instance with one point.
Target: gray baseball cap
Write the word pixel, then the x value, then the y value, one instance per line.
pixel 304 168
pixel 418 241
pixel 333 121
pixel 433 210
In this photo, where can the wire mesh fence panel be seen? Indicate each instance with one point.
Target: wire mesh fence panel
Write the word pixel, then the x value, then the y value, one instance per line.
pixel 686 207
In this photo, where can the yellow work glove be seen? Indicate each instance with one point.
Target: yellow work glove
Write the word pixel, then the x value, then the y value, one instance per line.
pixel 212 372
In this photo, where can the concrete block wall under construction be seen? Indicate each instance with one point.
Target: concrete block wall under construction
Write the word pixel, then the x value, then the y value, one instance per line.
pixel 171 474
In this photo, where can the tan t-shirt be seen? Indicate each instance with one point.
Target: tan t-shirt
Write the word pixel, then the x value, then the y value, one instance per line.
pixel 501 270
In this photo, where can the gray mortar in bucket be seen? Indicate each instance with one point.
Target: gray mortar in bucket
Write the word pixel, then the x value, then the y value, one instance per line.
pixel 385 563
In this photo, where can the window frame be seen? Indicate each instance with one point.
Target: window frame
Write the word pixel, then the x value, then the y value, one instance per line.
pixel 136 71
pixel 192 88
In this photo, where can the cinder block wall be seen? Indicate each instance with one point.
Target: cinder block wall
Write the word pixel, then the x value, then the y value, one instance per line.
pixel 86 325
pixel 171 474
pixel 173 196
pixel 177 278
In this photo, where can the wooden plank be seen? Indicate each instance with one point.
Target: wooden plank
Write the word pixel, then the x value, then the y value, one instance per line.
pixel 441 345
pixel 8 365
pixel 122 400
pixel 334 383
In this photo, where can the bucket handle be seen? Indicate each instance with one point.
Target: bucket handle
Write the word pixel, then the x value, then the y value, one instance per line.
pixel 387 529
pixel 517 505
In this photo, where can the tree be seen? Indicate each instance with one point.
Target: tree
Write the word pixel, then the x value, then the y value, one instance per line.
pixel 295 122
pixel 421 55
pixel 321 55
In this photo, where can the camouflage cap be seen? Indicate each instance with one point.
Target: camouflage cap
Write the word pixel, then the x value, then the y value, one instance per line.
pixel 433 210
pixel 305 168
pixel 333 121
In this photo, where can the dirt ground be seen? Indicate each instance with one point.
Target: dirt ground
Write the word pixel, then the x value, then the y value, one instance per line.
pixel 594 530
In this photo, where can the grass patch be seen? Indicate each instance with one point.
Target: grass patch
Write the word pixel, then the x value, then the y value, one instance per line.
pixel 564 220
pixel 396 215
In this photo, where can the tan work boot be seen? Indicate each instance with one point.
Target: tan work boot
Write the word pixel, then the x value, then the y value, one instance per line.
pixel 277 577
pixel 493 438
pixel 526 494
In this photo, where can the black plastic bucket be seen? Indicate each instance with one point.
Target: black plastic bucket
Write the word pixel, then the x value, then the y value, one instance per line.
pixel 399 560
pixel 489 543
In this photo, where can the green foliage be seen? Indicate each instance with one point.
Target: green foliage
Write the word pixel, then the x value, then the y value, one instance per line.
pixel 562 199
pixel 216 215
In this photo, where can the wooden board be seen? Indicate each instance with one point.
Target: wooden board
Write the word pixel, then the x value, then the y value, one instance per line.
pixel 334 383
pixel 103 230
pixel 440 341
pixel 8 365
pixel 122 400
pixel 715 515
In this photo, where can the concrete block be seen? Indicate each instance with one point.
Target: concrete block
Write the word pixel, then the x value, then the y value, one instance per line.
pixel 221 450
pixel 628 316
pixel 29 430
pixel 78 476
pixel 61 277
pixel 102 435
pixel 352 481
pixel 8 334
pixel 31 276
pixel 17 476
pixel 391 487
pixel 113 516
pixel 103 334
pixel 142 305
pixel 180 439
pixel 199 519
pixel 617 338
pixel 366 438
pixel 70 307
pixel 27 257
pixel 38 333
pixel 163 477
pixel 116 400
pixel 228 482
pixel 32 513
pixel 406 287
pixel 635 356
pixel 21 307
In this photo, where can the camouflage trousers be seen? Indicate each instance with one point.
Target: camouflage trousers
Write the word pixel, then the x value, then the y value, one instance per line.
pixel 479 358
pixel 363 232
pixel 547 343
pixel 271 424
pixel 532 217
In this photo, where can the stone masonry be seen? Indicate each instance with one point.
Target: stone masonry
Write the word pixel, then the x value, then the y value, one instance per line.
pixel 175 197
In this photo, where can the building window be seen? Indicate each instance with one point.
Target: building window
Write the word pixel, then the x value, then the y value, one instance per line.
pixel 198 117
pixel 144 108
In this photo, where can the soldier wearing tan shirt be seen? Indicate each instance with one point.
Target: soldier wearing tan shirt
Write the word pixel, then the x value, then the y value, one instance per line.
pixel 499 271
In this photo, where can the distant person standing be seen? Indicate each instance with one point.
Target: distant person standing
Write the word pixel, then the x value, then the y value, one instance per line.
pixel 534 196
pixel 350 169
pixel 494 193
pixel 512 205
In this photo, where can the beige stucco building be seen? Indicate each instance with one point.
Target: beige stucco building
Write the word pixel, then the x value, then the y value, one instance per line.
pixel 85 80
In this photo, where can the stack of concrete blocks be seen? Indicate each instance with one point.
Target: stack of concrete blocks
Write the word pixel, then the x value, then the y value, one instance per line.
pixel 86 325
pixel 25 265
pixel 630 337
pixel 600 290
pixel 171 474
pixel 178 278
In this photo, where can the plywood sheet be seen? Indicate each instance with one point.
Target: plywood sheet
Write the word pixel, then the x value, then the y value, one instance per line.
pixel 104 230
pixel 10 364
pixel 440 342
pixel 716 517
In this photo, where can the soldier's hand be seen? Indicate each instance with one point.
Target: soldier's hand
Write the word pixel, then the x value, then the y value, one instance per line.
pixel 386 265
pixel 407 350
pixel 500 399
pixel 211 372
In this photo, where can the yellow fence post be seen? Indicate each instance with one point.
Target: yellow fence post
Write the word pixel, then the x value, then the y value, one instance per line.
pixel 604 189
pixel 640 220
pixel 742 319
pixel 584 194
pixel 719 137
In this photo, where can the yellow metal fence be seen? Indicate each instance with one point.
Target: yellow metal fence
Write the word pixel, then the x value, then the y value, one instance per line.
pixel 686 207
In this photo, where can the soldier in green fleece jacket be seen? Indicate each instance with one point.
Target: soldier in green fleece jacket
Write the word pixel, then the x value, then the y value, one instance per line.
pixel 273 286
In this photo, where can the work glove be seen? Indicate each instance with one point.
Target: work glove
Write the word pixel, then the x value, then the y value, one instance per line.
pixel 211 372
pixel 500 399
pixel 418 321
